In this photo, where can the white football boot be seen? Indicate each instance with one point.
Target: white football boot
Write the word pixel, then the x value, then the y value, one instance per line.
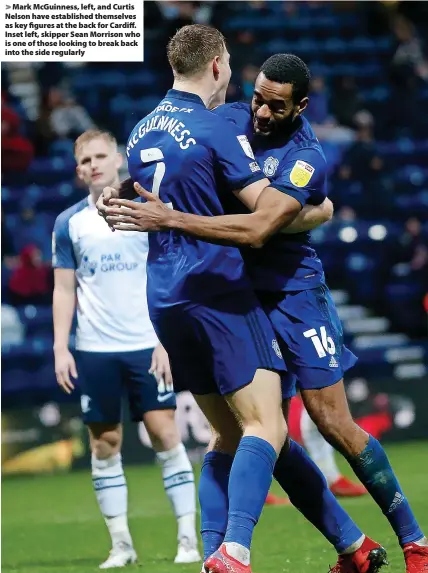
pixel 187 551
pixel 122 554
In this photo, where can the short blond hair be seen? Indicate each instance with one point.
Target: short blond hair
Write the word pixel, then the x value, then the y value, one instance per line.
pixel 91 134
pixel 193 47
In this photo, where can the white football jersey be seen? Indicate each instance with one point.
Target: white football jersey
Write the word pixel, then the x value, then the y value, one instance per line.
pixel 112 313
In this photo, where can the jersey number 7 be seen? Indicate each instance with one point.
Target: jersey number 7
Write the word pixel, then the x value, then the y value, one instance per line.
pixel 149 156
pixel 154 154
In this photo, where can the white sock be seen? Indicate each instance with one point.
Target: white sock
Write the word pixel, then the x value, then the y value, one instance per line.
pixel 319 450
pixel 119 530
pixel 354 547
pixel 187 526
pixel 179 484
pixel 238 552
pixel 112 495
pixel 423 542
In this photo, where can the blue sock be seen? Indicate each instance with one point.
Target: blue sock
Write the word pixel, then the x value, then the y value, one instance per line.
pixel 214 501
pixel 249 483
pixel 308 491
pixel 373 469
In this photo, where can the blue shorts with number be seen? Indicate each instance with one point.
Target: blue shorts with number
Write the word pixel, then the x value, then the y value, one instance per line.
pixel 105 378
pixel 216 347
pixel 310 337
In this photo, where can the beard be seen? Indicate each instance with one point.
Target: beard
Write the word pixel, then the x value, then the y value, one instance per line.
pixel 274 128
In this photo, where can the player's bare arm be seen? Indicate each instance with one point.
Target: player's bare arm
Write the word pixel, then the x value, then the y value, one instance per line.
pixel 64 301
pixel 156 215
pixel 311 217
pixel 272 211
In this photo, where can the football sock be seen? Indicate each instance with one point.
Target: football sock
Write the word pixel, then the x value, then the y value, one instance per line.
pixel 179 484
pixel 214 501
pixel 249 482
pixel 308 491
pixel 374 471
pixel 112 495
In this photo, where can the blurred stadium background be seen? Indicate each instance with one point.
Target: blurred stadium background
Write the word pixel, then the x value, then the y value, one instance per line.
pixel 369 95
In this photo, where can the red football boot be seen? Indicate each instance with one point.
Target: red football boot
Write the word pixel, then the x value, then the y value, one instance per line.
pixel 221 562
pixel 369 558
pixel 272 499
pixel 416 557
pixel 344 487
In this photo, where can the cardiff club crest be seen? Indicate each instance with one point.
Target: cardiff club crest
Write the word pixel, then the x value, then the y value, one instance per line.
pixel 270 166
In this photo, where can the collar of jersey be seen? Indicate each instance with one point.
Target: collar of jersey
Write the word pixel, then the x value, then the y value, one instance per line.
pixel 91 203
pixel 185 96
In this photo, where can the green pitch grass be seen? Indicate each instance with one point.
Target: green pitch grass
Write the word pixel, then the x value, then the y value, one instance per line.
pixel 52 525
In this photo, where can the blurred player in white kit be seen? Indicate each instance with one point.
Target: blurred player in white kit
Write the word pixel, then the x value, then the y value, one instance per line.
pixel 117 351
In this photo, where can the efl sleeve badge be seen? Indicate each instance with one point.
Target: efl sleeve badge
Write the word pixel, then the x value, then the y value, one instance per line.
pixel 301 173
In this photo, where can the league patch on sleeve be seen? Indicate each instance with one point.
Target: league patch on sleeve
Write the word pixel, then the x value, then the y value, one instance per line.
pixel 245 144
pixel 301 173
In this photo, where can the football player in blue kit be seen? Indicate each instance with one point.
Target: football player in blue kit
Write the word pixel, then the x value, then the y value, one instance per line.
pixel 289 281
pixel 206 314
pixel 200 300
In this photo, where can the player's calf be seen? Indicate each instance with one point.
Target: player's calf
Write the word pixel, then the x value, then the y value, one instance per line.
pixel 214 478
pixel 328 408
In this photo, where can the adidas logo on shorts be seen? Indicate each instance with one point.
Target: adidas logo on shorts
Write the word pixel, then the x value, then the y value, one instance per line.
pixel 276 348
pixel 333 362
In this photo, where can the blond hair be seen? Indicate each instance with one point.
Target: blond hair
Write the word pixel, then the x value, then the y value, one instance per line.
pixel 91 134
pixel 193 47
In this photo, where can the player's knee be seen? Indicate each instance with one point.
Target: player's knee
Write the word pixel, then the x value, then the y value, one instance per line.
pixel 105 448
pixel 162 429
pixel 105 441
pixel 269 423
pixel 273 430
pixel 106 445
pixel 227 442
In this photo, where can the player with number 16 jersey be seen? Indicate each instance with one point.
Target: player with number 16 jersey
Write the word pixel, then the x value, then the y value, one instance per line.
pixel 287 274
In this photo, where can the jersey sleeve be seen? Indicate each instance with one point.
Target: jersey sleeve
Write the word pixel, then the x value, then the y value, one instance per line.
pixel 303 176
pixel 62 246
pixel 234 156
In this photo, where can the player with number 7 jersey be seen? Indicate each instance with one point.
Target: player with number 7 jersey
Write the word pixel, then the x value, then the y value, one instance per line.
pixel 220 343
pixel 184 154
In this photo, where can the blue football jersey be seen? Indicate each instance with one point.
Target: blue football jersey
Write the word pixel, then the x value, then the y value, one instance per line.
pixel 190 157
pixel 296 166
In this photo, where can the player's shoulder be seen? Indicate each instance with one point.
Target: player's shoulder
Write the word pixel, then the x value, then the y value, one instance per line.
pixel 222 122
pixel 306 146
pixel 238 113
pixel 305 138
pixel 232 110
pixel 63 220
pixel 212 130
